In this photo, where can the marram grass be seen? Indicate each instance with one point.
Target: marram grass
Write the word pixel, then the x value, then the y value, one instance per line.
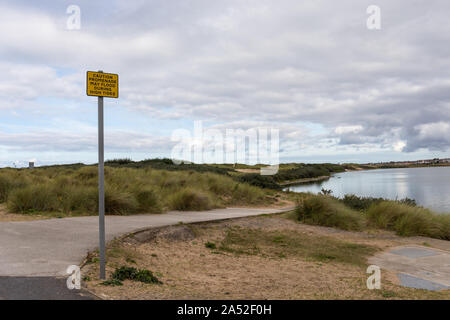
pixel 403 218
pixel 127 190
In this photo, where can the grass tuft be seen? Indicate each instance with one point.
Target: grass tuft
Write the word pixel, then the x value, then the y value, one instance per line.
pixel 119 202
pixel 190 199
pixel 73 190
pixel 112 283
pixel 326 211
pixel 402 216
pixel 39 197
pixel 131 273
pixel 210 245
pixel 406 220
pixel 148 200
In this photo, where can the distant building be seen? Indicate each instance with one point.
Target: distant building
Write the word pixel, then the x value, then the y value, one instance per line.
pixel 415 162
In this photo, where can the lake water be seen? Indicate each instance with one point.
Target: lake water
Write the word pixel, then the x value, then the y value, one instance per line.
pixel 430 187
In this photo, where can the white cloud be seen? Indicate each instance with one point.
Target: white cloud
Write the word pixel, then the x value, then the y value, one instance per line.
pixel 399 146
pixel 239 63
pixel 348 129
pixel 433 130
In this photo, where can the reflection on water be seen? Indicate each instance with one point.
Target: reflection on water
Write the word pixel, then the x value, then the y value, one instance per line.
pixel 430 187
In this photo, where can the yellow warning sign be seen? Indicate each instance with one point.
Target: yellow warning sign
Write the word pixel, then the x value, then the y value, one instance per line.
pixel 102 84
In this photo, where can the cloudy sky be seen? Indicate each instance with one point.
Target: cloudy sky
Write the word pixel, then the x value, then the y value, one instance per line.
pixel 335 90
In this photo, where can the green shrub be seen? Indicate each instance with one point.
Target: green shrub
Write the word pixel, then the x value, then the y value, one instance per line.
pixel 112 283
pixel 62 182
pixel 88 172
pixel 79 199
pixel 303 171
pixel 364 203
pixel 148 200
pixel 124 273
pixel 189 199
pixel 39 197
pixel 360 203
pixel 131 273
pixel 210 245
pixel 406 220
pixel 255 179
pixel 118 161
pixel 166 164
pixel 74 189
pixel 408 201
pixel 10 180
pixel 327 211
pixel 146 276
pixel 247 194
pixel 218 185
pixel 6 185
pixel 119 202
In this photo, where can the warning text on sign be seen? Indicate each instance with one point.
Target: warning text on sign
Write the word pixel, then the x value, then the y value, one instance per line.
pixel 102 84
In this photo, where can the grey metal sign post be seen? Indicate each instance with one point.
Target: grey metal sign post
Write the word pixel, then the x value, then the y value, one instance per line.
pixel 101 85
pixel 101 187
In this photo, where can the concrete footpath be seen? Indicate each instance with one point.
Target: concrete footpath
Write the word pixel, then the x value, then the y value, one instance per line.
pixel 48 247
pixel 34 255
pixel 416 266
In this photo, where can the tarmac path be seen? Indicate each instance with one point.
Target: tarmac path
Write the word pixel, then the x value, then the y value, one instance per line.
pixel 34 255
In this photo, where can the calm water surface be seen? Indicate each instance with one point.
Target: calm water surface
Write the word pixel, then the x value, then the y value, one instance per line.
pixel 430 187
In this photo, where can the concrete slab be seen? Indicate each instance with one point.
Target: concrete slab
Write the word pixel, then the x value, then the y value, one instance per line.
pixel 414 252
pixel 417 266
pixel 407 280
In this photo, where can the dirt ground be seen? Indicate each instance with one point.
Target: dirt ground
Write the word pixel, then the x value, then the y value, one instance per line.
pixel 248 170
pixel 266 257
pixel 5 216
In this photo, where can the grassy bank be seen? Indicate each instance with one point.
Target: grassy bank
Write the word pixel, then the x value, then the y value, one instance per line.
pixel 288 172
pixel 151 186
pixel 265 257
pixel 359 213
pixel 73 190
pixel 292 173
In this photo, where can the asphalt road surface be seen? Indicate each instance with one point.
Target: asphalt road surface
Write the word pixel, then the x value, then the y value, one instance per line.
pixel 39 288
pixel 34 255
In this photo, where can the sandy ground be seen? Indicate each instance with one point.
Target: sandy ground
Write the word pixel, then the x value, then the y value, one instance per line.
pixel 190 270
pixel 6 216
pixel 279 202
pixel 247 170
